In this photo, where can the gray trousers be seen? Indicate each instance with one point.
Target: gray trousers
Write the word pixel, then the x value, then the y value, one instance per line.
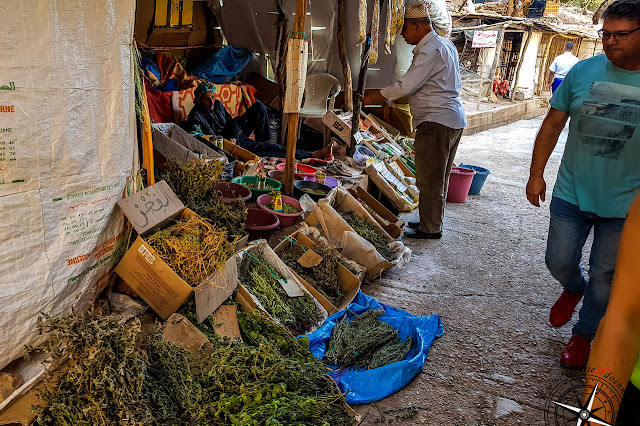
pixel 435 148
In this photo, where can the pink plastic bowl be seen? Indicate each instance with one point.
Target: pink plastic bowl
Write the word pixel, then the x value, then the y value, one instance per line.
pixel 285 219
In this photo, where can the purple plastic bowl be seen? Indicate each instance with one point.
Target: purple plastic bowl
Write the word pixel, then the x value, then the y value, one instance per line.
pixel 261 223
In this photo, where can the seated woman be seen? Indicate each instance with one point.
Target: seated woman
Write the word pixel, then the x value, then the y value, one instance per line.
pixel 213 119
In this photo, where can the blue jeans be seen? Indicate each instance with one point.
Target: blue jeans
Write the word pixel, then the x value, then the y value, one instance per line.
pixel 568 230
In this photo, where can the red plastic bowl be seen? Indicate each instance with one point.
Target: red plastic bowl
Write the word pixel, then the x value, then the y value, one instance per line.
pixel 260 223
pixel 230 192
pixel 301 169
pixel 279 175
pixel 285 219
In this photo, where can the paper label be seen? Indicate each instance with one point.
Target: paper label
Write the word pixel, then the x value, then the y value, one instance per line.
pixel 144 251
pixel 291 288
pixel 310 259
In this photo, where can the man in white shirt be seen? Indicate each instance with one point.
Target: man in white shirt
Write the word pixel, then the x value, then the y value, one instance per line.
pixel 433 86
pixel 561 66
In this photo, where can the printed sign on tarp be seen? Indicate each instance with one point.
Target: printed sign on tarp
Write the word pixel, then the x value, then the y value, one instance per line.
pixel 67 151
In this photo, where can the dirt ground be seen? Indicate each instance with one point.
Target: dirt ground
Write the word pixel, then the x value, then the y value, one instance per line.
pixel 487 280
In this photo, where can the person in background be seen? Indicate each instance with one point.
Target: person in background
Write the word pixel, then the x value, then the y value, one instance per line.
pixel 210 115
pixel 433 86
pixel 561 66
pixel 599 175
pixel 615 347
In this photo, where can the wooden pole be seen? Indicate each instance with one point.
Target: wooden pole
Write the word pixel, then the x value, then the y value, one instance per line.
pixel 482 52
pixel 496 58
pixel 357 103
pixel 516 76
pixel 292 118
pixel 344 59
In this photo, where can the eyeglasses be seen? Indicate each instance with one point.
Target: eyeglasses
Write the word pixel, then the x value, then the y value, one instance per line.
pixel 620 35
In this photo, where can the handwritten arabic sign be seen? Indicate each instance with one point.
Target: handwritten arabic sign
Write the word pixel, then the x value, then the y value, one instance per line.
pixel 151 207
pixel 10 86
pixel 484 38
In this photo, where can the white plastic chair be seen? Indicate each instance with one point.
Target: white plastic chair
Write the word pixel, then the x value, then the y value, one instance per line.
pixel 318 95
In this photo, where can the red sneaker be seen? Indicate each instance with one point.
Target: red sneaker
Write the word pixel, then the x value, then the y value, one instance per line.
pixel 576 354
pixel 563 308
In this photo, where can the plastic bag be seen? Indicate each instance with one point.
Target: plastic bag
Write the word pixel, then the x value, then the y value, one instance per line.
pixel 367 386
pixel 440 17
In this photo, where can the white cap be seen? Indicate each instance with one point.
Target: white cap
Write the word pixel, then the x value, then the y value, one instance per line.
pixel 416 11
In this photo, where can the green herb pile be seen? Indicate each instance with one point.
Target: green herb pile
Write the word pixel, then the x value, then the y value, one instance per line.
pixel 117 375
pixel 286 208
pixel 193 248
pixel 313 191
pixel 322 277
pixel 370 234
pixel 193 185
pixel 297 314
pixel 254 185
pixel 365 342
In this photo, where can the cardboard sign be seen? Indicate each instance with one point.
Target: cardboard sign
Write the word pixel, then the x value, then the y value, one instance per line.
pixel 180 331
pixel 225 323
pixel 310 259
pixel 485 38
pixel 151 208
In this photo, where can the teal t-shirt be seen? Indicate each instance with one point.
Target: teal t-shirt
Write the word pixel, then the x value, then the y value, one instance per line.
pixel 600 169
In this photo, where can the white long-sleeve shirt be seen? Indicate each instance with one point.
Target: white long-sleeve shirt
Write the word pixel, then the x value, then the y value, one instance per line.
pixel 432 84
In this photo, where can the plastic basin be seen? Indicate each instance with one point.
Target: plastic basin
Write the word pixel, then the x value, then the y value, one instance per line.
pixel 279 175
pixel 459 183
pixel 231 192
pixel 330 181
pixel 478 179
pixel 300 186
pixel 252 180
pixel 260 223
pixel 301 169
pixel 285 218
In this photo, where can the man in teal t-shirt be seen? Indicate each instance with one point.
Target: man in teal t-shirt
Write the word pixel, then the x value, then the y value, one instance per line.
pixel 599 174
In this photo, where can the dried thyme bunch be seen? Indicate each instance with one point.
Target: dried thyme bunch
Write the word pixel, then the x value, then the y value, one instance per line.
pixel 369 233
pixel 287 208
pixel 118 375
pixel 193 181
pixel 193 248
pixel 365 342
pixel 193 184
pixel 298 314
pixel 322 277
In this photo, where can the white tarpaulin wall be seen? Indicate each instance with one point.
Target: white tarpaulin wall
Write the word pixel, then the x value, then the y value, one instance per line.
pixel 67 143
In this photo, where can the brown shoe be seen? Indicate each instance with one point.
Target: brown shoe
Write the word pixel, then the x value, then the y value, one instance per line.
pixel 576 354
pixel 563 308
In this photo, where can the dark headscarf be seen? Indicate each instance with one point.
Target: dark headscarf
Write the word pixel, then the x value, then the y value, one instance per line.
pixel 203 88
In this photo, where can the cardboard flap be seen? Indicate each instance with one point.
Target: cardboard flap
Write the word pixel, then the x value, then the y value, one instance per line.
pixel 216 289
pixel 151 208
pixel 180 331
pixel 225 323
pixel 151 278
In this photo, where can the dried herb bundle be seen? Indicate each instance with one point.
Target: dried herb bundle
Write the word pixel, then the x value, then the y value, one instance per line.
pixel 370 234
pixel 297 314
pixel 190 182
pixel 193 185
pixel 322 277
pixel 286 208
pixel 120 376
pixel 365 342
pixel 193 248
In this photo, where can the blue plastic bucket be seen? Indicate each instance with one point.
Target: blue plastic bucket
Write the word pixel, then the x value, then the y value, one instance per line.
pixel 478 179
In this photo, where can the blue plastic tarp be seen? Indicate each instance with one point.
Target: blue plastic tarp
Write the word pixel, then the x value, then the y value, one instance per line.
pixel 222 66
pixel 366 386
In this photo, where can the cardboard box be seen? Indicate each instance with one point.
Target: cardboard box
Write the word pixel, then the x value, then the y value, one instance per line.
pixel 149 276
pixel 389 222
pixel 250 302
pixel 176 145
pixel 348 284
pixel 341 126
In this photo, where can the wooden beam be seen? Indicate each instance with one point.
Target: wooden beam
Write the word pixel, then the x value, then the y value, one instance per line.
pixel 496 58
pixel 344 59
pixel 292 132
pixel 523 51
pixel 357 103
